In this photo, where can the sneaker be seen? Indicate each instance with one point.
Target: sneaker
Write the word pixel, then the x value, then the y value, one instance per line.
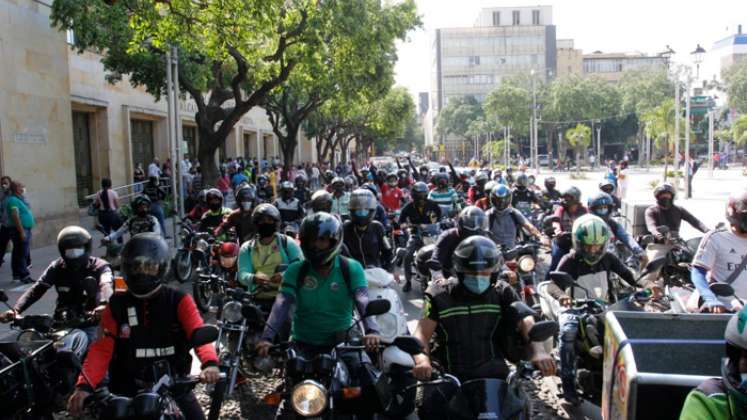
pixel 407 287
pixel 27 280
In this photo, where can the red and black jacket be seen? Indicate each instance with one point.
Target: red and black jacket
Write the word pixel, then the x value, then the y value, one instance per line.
pixel 138 333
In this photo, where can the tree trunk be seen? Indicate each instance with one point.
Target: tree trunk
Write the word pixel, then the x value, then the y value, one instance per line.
pixel 209 143
pixel 319 147
pixel 288 148
pixel 578 160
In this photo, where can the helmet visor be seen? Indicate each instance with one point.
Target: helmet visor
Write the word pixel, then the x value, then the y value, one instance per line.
pixel 473 223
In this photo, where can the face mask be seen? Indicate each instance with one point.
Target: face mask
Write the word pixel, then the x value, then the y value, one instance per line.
pixel 266 230
pixel 247 205
pixel 664 202
pixel 602 212
pixel 477 284
pixel 6 187
pixel 393 184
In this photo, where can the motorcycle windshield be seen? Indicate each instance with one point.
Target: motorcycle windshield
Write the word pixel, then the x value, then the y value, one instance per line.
pixel 486 399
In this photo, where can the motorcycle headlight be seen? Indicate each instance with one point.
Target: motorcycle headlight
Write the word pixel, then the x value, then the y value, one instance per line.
pixel 387 326
pixel 526 264
pixel 202 245
pixel 232 312
pixel 309 399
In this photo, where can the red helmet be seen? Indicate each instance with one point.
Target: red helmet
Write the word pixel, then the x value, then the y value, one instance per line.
pixel 736 211
pixel 228 253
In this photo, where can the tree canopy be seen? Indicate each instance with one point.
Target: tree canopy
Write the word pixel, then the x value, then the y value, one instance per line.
pixel 735 78
pixel 457 115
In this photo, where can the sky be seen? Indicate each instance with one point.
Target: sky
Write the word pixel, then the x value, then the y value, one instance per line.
pixel 646 26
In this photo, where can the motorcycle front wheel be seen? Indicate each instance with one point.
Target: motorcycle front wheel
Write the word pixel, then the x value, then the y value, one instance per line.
pixel 182 264
pixel 203 295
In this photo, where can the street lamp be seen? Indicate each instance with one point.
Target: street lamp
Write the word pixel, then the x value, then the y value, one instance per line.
pixel 533 127
pixel 698 55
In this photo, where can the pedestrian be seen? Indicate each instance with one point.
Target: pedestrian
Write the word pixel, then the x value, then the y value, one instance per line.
pixel 154 169
pixel 107 203
pixel 622 180
pixel 138 178
pixel 184 171
pixel 156 194
pixel 5 228
pixel 21 221
pixel 223 184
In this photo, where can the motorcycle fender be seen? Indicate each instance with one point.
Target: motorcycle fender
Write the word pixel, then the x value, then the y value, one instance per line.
pixel 392 355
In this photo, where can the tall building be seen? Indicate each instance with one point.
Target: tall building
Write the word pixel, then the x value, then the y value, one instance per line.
pixel 570 60
pixel 63 127
pixel 612 66
pixel 729 51
pixel 472 61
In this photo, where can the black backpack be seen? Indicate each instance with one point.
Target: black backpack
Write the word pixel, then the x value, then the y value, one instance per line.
pixel 344 267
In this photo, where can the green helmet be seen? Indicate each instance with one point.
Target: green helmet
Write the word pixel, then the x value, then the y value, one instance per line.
pixel 735 336
pixel 590 238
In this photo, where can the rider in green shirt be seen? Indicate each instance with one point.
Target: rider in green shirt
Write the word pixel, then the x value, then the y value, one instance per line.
pixel 724 398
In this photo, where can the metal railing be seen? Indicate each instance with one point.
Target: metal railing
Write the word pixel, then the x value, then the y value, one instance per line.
pixel 129 191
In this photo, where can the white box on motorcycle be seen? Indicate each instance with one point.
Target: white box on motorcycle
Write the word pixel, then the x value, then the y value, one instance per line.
pixel 634 216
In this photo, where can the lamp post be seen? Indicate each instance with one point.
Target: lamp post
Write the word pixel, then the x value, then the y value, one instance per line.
pixel 697 56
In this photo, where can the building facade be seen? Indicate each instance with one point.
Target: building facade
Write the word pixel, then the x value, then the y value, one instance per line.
pixel 570 60
pixel 472 61
pixel 63 127
pixel 612 66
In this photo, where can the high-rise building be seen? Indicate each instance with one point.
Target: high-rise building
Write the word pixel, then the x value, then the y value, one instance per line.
pixel 472 61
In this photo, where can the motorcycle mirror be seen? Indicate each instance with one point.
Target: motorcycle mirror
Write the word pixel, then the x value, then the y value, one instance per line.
pixel 204 335
pixel 721 289
pixel 377 307
pixel 543 330
pixel 562 279
pixel 655 264
pixel 409 344
pixel 3 296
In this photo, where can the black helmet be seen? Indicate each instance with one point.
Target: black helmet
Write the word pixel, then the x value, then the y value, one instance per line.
pixel 521 180
pixel 392 176
pixel 362 206
pixel 476 254
pixel 212 196
pixel 145 259
pixel 141 200
pixel 202 198
pixel 420 191
pixel 262 180
pixel 321 201
pixel 402 173
pixel 268 210
pixel 329 175
pixel 300 181
pixel 320 226
pixel 662 188
pixel 481 178
pixel 441 179
pixel 350 183
pixel 337 183
pixel 736 211
pixel 74 244
pixel 287 187
pixel 550 183
pixel 571 196
pixel 246 195
pixel 471 221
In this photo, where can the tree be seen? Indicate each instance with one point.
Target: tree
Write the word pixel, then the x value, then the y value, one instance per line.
pixel 232 53
pixel 642 90
pixel 342 63
pixel 739 129
pixel 510 104
pixel 735 78
pixel 457 115
pixel 385 121
pixel 579 138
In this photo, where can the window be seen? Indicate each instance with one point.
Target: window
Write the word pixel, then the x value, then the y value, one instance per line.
pixel 517 18
pixel 496 18
pixel 474 60
pixel 535 17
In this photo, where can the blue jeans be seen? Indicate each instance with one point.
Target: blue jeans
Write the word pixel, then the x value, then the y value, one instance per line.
pixel 20 255
pixel 157 211
pixel 568 332
pixel 556 254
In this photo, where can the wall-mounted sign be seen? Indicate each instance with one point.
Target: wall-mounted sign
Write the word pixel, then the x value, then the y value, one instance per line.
pixel 32 137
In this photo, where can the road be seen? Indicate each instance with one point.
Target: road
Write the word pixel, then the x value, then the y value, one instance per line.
pixel 708 204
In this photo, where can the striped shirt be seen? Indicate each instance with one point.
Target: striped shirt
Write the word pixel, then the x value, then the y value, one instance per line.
pixel 445 199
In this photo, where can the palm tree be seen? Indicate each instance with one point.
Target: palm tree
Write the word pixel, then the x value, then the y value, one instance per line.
pixel 579 137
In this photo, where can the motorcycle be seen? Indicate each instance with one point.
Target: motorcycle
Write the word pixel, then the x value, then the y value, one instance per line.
pixel 157 401
pixel 522 259
pixel 324 386
pixel 484 398
pixel 210 287
pixel 194 252
pixel 590 338
pixel 35 373
pixel 676 273
pixel 113 252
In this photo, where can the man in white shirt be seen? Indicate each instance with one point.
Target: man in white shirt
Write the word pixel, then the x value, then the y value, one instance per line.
pixel 154 169
pixel 722 257
pixel 184 166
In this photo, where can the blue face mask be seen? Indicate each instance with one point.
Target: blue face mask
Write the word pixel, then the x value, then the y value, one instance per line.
pixel 476 284
pixel 361 213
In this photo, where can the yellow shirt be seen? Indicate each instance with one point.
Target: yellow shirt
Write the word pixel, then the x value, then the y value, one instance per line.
pixel 274 181
pixel 265 259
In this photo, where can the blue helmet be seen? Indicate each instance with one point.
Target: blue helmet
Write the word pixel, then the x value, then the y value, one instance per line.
pixel 601 204
pixel 500 197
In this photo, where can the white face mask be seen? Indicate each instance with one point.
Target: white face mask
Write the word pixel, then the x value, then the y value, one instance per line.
pixel 74 253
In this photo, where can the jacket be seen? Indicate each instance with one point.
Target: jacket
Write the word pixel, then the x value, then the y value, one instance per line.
pixel 369 247
pixel 289 252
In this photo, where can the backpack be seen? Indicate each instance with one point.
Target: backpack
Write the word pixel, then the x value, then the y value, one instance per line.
pixel 517 222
